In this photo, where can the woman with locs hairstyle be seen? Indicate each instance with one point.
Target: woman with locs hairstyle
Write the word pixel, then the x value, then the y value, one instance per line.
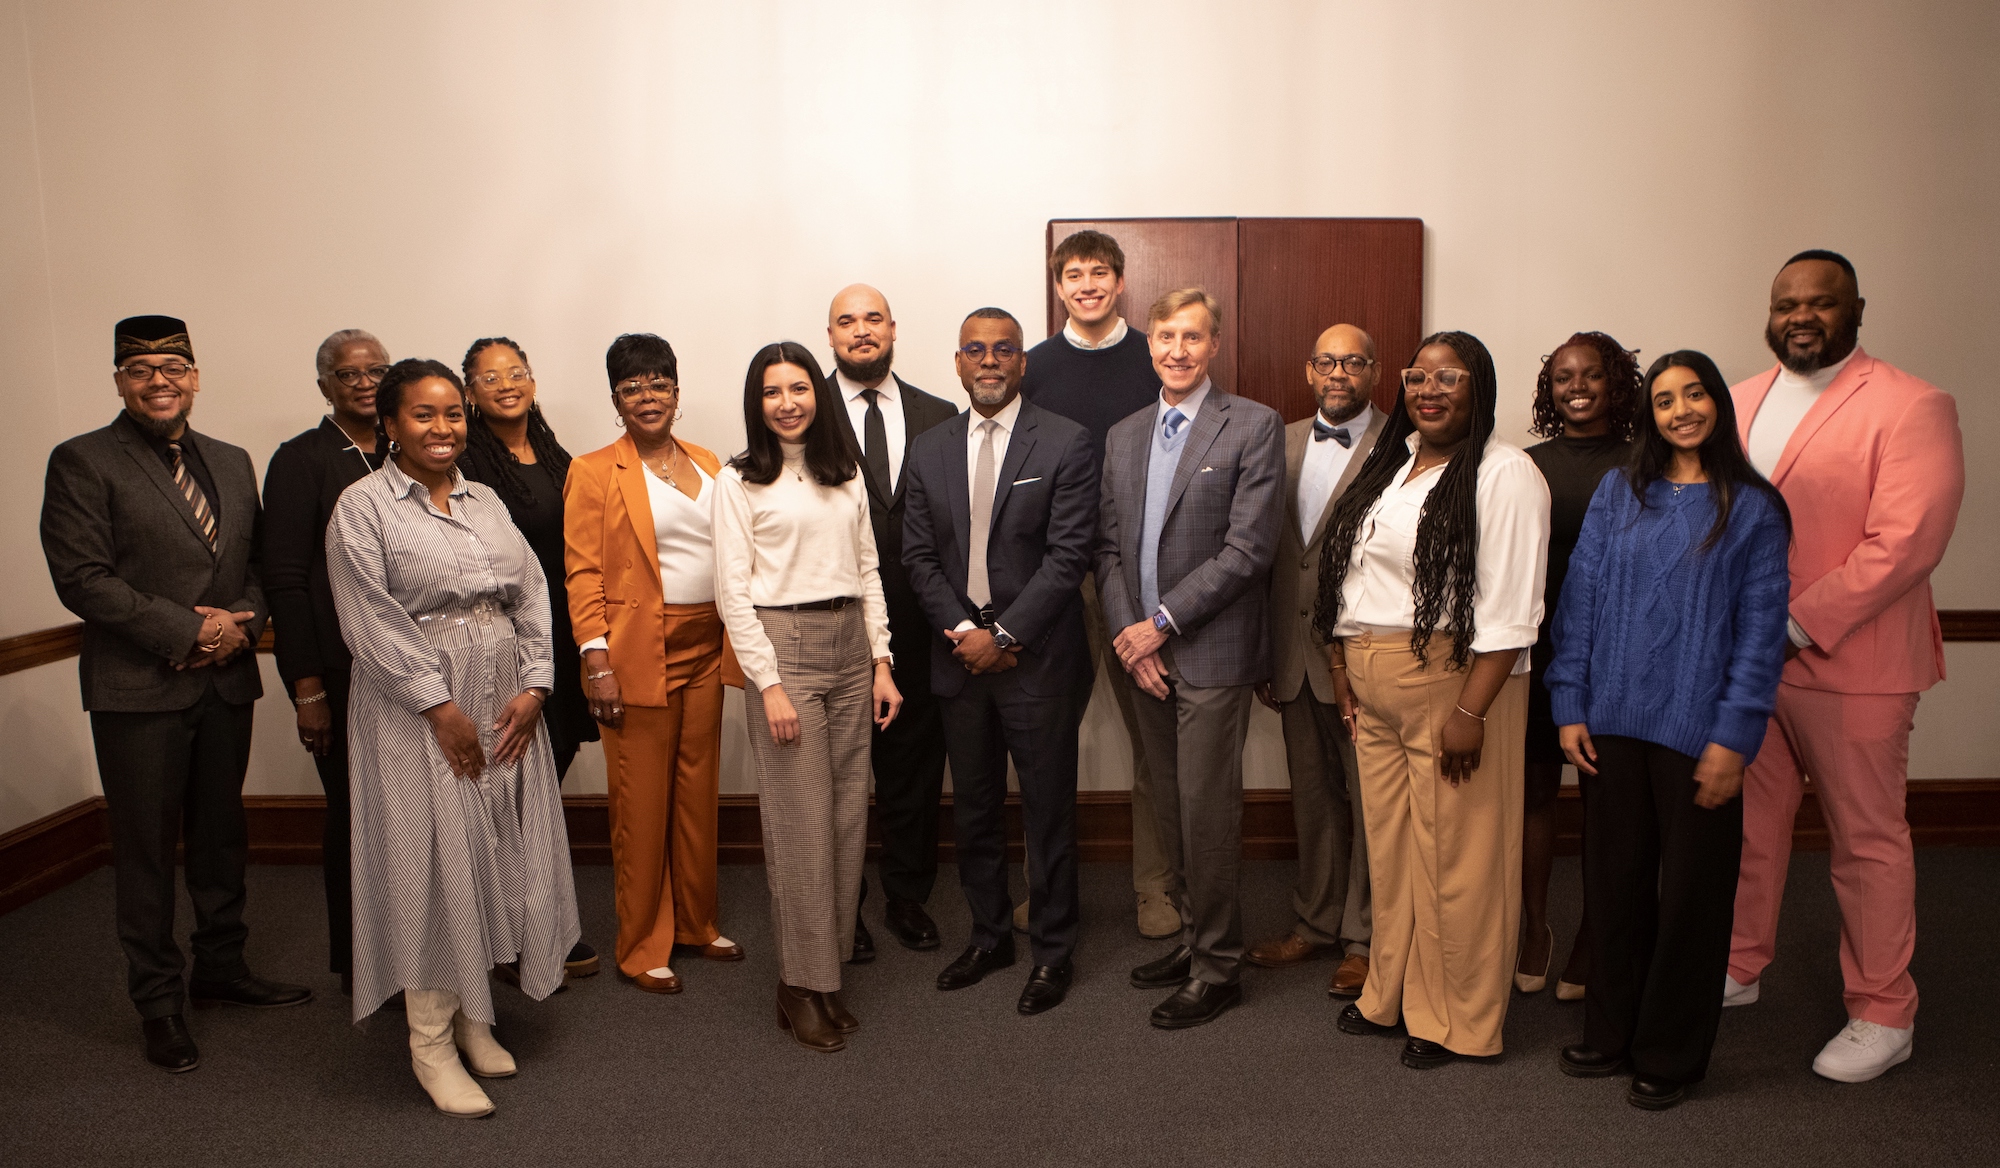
pixel 796 581
pixel 1430 593
pixel 461 860
pixel 1669 644
pixel 1586 398
pixel 641 559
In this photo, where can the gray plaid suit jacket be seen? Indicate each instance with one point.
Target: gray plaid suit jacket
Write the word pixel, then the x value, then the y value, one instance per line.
pixel 1216 547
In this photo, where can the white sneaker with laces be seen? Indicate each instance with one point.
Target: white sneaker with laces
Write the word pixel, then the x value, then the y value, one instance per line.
pixel 1735 993
pixel 1864 1050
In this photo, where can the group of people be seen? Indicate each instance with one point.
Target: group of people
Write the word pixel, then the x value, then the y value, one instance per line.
pixel 1695 594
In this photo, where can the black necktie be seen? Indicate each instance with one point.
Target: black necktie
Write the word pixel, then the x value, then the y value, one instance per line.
pixel 1322 431
pixel 875 440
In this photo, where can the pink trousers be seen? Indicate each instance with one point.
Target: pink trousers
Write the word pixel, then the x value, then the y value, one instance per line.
pixel 1856 750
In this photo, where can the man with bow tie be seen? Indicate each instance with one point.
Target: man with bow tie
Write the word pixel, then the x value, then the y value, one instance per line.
pixel 1322 455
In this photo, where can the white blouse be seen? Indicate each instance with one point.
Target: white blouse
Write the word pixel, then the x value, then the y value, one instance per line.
pixel 683 531
pixel 791 541
pixel 1380 591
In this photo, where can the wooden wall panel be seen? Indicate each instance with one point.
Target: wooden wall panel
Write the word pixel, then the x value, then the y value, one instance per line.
pixel 1160 256
pixel 1295 277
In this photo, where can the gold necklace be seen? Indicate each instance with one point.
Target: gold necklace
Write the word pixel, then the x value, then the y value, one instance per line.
pixel 666 470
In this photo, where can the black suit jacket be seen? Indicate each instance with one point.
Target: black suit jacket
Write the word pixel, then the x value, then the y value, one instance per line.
pixel 127 557
pixel 1044 525
pixel 303 482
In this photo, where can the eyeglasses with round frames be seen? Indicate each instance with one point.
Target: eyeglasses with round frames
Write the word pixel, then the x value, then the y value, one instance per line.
pixel 140 373
pixel 354 378
pixel 975 351
pixel 1447 379
pixel 638 390
pixel 1325 363
pixel 513 379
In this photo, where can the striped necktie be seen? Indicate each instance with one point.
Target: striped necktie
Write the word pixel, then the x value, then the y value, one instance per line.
pixel 204 516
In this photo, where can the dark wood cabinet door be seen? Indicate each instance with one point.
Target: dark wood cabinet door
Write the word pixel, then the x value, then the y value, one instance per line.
pixel 1160 256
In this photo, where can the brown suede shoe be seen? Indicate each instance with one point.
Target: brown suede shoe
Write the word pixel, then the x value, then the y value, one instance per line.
pixel 1288 950
pixel 1349 978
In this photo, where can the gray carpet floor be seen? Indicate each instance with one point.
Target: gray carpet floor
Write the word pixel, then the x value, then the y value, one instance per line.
pixel 611 1075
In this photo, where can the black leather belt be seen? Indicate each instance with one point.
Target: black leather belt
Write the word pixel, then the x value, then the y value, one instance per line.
pixel 834 605
pixel 984 617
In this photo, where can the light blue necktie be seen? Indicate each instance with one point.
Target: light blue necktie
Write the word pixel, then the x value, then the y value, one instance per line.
pixel 1173 421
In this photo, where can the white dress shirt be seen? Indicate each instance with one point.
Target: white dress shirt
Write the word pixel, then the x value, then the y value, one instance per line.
pixel 1379 593
pixel 1791 398
pixel 889 399
pixel 1325 461
pixel 1189 406
pixel 1003 430
pixel 1111 338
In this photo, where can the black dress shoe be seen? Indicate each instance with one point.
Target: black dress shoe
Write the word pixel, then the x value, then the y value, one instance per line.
pixel 974 964
pixel 1047 986
pixel 248 990
pixel 1194 1003
pixel 582 961
pixel 1353 1021
pixel 1170 970
pixel 169 1046
pixel 1655 1094
pixel 1585 1062
pixel 1421 1054
pixel 911 924
pixel 864 944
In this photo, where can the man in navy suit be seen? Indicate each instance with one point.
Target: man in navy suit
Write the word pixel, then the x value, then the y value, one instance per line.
pixel 998 530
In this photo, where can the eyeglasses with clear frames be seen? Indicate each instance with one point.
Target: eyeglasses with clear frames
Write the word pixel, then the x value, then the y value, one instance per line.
pixel 1325 363
pixel 1447 379
pixel 354 378
pixel 513 379
pixel 140 373
pixel 639 389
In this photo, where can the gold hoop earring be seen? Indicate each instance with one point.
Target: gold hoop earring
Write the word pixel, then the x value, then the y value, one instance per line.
pixel 619 421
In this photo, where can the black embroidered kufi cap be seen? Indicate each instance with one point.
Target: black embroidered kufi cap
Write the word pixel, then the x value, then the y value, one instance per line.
pixel 138 335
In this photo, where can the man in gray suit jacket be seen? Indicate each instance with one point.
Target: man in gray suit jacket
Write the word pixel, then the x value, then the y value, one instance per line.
pixel 1323 453
pixel 1189 522
pixel 150 531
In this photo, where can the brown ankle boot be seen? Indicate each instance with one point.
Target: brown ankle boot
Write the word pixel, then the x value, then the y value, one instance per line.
pixel 837 1012
pixel 804 1014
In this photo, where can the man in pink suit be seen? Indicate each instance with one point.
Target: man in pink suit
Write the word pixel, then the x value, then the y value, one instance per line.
pixel 1870 460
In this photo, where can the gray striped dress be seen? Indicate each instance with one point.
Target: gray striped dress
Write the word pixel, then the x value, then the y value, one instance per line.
pixel 451 876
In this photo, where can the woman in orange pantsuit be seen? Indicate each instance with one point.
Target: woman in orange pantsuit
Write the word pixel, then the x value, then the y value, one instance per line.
pixel 641 572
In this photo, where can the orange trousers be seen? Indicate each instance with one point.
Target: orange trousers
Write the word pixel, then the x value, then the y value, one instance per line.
pixel 662 768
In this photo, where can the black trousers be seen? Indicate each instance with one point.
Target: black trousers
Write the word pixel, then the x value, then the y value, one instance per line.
pixel 173 777
pixel 991 718
pixel 1660 884
pixel 909 767
pixel 336 864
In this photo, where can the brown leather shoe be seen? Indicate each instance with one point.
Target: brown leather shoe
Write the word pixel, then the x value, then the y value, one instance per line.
pixel 1286 951
pixel 670 984
pixel 1349 978
pixel 837 1012
pixel 803 1012
pixel 721 950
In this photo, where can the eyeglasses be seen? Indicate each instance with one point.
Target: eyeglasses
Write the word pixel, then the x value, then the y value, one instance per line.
pixel 354 378
pixel 140 373
pixel 638 390
pixel 1447 379
pixel 512 379
pixel 1325 363
pixel 975 351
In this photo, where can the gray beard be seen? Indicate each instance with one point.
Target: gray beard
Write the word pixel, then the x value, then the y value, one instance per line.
pixel 998 397
pixel 163 429
pixel 872 372
pixel 1352 413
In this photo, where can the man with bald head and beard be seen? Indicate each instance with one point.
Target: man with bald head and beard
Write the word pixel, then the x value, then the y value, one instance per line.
pixel 884 415
pixel 1871 463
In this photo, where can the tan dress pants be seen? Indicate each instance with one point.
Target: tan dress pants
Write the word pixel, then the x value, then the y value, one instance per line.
pixel 1444 861
pixel 1150 870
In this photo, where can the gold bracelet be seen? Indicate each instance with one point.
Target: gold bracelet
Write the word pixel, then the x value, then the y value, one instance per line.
pixel 1468 713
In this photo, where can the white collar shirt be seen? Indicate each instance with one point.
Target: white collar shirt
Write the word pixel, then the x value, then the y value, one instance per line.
pixel 1003 430
pixel 1112 338
pixel 889 398
pixel 1190 406
pixel 1325 461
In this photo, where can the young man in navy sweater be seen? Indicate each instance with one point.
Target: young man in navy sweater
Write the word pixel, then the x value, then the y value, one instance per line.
pixel 1096 372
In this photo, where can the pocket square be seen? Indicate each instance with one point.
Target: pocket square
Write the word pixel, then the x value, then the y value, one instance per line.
pixel 1206 469
pixel 1023 482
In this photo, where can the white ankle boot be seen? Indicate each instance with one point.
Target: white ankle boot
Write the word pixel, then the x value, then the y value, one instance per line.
pixel 435 1058
pixel 486 1057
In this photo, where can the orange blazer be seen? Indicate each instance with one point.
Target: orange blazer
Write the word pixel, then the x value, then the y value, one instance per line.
pixel 612 563
pixel 1873 475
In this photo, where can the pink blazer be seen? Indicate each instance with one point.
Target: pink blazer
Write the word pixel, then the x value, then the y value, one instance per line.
pixel 1873 476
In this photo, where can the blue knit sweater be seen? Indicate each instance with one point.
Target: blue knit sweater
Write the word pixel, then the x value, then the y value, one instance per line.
pixel 1658 640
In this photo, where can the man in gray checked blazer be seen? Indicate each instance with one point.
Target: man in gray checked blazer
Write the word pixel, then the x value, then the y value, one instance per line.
pixel 1190 519
pixel 150 531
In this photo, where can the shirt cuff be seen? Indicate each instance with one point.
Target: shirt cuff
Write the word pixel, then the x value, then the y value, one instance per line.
pixel 1170 619
pixel 1797 632
pixel 593 643
pixel 965 626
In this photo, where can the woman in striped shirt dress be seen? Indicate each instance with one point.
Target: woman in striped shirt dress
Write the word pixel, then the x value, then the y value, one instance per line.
pixel 460 858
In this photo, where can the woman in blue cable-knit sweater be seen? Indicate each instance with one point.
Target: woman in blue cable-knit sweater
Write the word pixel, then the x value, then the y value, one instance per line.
pixel 1669 639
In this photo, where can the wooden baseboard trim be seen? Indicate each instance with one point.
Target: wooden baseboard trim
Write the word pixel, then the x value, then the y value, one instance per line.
pixel 40 857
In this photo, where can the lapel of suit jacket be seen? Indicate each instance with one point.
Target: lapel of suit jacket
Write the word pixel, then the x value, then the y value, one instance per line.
pixel 1297 438
pixel 1020 444
pixel 1362 446
pixel 1207 424
pixel 150 465
pixel 957 496
pixel 629 476
pixel 228 520
pixel 904 393
pixel 1851 379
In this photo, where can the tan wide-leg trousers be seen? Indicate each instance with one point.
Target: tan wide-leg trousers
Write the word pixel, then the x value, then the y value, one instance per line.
pixel 1444 861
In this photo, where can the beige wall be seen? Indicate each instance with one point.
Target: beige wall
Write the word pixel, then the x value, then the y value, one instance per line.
pixel 436 171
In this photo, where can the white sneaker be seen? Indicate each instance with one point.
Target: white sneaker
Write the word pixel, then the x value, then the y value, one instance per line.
pixel 1735 993
pixel 1864 1050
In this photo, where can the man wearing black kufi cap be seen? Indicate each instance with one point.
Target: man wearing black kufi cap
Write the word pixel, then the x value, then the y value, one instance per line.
pixel 150 532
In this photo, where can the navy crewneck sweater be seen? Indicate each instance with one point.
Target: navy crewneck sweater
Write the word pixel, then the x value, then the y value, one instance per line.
pixel 1095 388
pixel 1659 640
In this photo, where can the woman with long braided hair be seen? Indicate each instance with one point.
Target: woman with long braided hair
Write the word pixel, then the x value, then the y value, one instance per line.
pixel 1430 594
pixel 509 447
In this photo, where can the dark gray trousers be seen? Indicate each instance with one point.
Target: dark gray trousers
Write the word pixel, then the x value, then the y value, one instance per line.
pixel 173 777
pixel 1331 896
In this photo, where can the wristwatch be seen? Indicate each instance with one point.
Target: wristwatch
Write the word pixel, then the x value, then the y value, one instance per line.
pixel 1003 638
pixel 1162 623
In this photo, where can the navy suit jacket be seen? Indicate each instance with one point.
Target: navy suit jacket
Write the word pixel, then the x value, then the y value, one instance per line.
pixel 1043 528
